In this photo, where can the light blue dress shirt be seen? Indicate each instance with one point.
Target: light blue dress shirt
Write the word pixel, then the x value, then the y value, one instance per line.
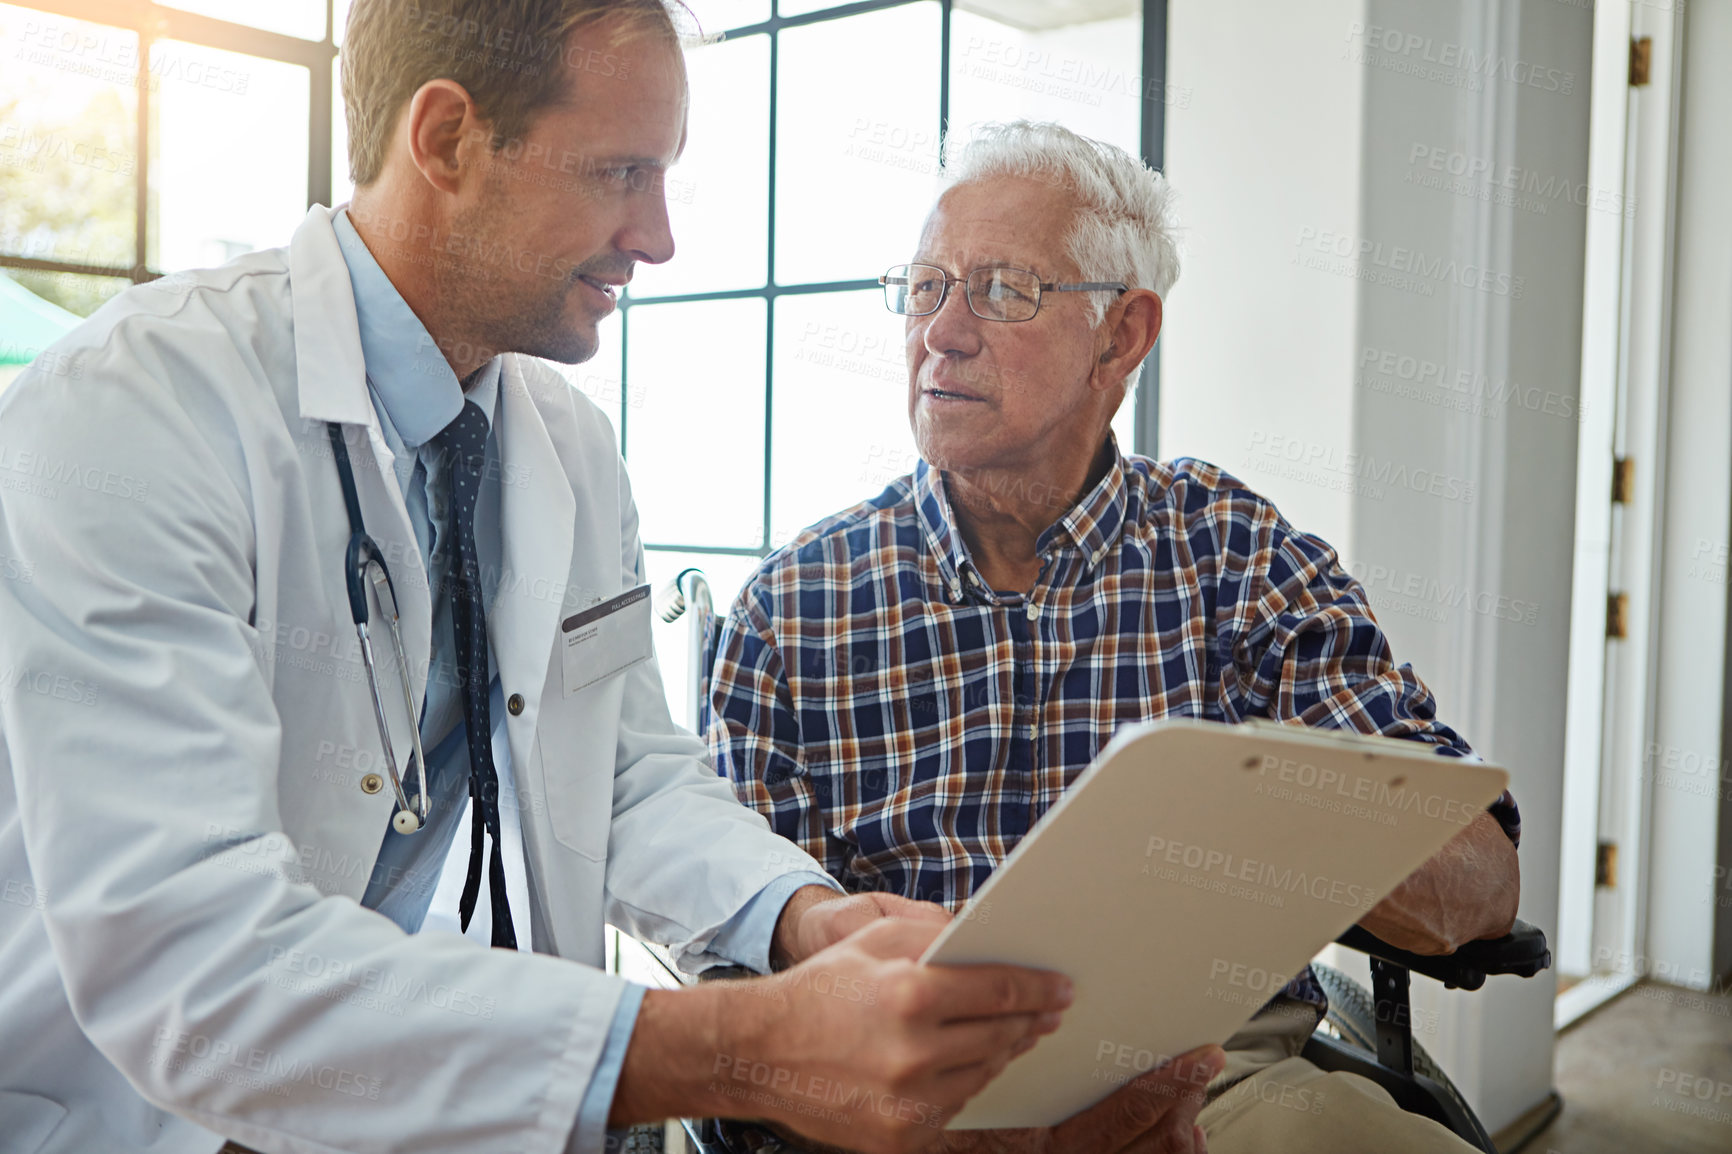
pixel 416 394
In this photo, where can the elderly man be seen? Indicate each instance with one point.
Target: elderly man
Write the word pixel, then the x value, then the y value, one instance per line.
pixel 909 685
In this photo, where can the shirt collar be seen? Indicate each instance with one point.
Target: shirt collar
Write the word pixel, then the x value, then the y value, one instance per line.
pixel 948 547
pixel 1092 525
pixel 411 378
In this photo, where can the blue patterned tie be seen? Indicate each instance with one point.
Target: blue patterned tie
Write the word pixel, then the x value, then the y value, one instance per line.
pixel 465 443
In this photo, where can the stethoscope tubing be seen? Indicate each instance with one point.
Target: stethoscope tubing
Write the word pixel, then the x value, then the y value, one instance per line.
pixel 362 556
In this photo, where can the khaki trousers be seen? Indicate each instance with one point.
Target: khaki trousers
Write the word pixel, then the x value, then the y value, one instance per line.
pixel 1268 1100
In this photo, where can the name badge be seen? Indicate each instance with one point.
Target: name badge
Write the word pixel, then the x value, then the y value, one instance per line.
pixel 607 638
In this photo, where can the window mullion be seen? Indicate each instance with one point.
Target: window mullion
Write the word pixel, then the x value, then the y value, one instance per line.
pixel 141 170
pixel 943 67
pixel 770 300
pixel 320 111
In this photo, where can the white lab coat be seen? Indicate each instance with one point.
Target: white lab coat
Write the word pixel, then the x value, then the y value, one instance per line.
pixel 184 733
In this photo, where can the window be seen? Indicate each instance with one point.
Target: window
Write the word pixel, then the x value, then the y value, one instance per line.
pixel 178 135
pixel 757 381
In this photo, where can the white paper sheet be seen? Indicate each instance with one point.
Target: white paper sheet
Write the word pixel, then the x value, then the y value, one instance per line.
pixel 1184 877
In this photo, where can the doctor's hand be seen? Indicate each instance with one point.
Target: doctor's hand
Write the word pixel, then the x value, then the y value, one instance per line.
pixel 859 1046
pixel 1155 1113
pixel 818 917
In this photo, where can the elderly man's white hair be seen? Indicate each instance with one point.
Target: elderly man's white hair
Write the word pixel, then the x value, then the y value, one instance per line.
pixel 1124 224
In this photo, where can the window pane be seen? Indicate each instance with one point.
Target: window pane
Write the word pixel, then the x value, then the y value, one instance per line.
pixel 1085 76
pixel 229 164
pixel 717 193
pixel 68 140
pixel 857 143
pixel 339 20
pixel 696 447
pixel 801 7
pixel 342 185
pixel 720 15
pixel 841 417
pixel 303 18
pixel 599 377
pixel 725 574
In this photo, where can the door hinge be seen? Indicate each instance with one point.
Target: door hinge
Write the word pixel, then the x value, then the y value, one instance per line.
pixel 1623 480
pixel 1606 865
pixel 1617 615
pixel 1641 54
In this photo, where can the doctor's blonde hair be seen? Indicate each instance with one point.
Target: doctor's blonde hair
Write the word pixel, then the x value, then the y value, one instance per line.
pixel 508 55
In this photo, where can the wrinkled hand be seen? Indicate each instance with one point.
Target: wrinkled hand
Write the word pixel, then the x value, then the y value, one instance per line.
pixel 1469 890
pixel 862 1047
pixel 816 918
pixel 1155 1113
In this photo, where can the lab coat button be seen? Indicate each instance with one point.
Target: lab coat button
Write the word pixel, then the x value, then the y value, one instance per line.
pixel 372 783
pixel 514 704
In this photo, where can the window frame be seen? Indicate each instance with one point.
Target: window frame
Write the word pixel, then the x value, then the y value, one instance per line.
pixel 150 23
pixel 1153 63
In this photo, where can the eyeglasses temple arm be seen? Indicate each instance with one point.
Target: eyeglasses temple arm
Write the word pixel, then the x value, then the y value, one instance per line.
pixel 1086 286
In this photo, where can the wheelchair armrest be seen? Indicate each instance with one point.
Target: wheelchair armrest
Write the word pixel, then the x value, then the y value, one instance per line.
pixel 1523 952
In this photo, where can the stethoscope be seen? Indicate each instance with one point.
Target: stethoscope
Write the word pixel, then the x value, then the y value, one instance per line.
pixel 364 559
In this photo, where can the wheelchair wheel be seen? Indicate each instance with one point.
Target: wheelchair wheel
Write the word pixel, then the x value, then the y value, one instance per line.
pixel 1353 1018
pixel 645 1139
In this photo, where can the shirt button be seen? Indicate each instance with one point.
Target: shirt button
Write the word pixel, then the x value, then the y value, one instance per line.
pixel 514 704
pixel 1033 610
pixel 372 783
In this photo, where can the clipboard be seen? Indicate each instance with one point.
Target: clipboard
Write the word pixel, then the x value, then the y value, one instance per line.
pixel 1184 877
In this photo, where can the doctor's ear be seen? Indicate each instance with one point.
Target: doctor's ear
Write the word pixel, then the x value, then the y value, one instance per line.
pixel 443 131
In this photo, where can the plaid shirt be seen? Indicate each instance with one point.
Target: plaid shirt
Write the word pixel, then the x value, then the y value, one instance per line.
pixel 905 724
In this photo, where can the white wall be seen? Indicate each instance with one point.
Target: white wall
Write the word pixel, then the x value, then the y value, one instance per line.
pixel 1266 149
pixel 1343 294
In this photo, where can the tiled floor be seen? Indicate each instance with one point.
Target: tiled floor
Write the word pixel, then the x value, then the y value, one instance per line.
pixel 1650 1073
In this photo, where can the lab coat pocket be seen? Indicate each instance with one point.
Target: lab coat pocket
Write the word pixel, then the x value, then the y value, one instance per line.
pixel 575 747
pixel 28 1121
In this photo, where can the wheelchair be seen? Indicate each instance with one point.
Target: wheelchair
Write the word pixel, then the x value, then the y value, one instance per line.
pixel 1370 1033
pixel 1366 1032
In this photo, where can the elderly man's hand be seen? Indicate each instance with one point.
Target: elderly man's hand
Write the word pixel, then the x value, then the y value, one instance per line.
pixel 1155 1113
pixel 816 918
pixel 1469 890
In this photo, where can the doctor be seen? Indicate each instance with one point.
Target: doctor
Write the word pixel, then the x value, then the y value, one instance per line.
pixel 214 867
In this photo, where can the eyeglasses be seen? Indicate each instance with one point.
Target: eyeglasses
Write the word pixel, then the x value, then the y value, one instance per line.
pixel 994 294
